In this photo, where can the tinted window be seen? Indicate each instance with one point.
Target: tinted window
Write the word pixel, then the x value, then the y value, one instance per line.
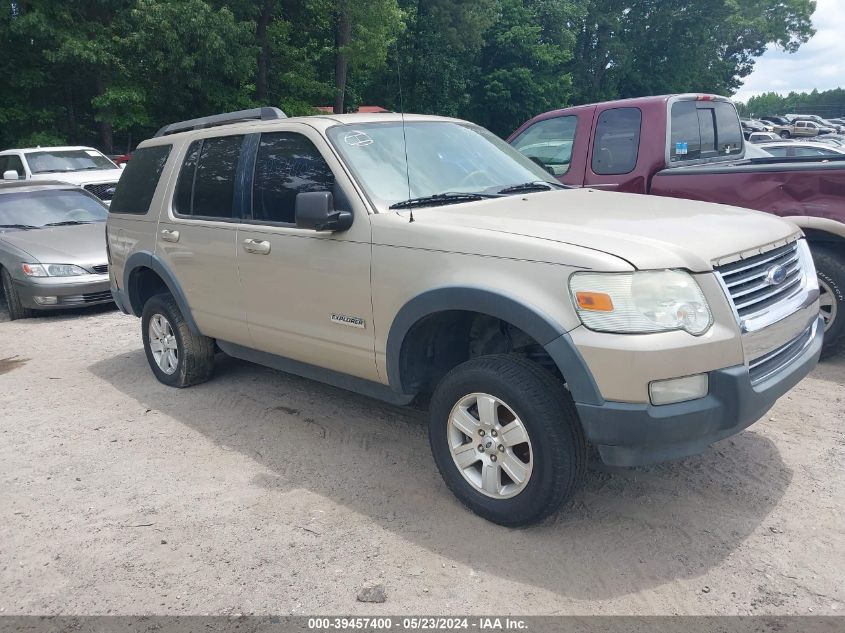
pixel 617 141
pixel 138 181
pixel 11 162
pixel 704 130
pixel 185 184
pixel 214 180
pixel 780 152
pixel 549 143
pixel 286 164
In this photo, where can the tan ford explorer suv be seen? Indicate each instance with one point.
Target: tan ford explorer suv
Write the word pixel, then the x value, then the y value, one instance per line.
pixel 422 259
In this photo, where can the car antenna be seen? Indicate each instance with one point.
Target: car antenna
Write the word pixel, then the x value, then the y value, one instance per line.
pixel 404 137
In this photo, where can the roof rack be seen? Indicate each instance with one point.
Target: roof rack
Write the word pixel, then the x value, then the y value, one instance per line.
pixel 254 114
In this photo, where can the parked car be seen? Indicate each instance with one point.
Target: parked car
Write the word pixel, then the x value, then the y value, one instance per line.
pixel 52 247
pixel 793 149
pixel 120 159
pixel 532 317
pixel 750 126
pixel 691 146
pixel 762 137
pixel 83 166
pixel 801 129
pixel 837 140
pixel 775 120
pixel 817 120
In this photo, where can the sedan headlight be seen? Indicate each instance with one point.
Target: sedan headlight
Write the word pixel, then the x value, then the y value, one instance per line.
pixel 640 302
pixel 53 270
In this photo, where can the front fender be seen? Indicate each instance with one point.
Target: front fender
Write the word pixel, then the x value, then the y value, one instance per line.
pixel 531 320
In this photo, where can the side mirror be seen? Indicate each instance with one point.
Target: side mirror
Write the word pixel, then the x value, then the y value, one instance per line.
pixel 315 210
pixel 10 174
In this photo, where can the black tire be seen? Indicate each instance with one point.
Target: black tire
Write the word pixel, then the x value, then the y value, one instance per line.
pixel 13 301
pixel 785 134
pixel 195 353
pixel 542 403
pixel 831 270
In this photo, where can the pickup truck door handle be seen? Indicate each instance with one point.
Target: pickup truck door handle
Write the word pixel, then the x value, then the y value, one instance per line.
pixel 259 247
pixel 169 236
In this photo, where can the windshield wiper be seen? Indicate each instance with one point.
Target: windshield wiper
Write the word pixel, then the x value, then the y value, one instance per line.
pixel 68 223
pixel 441 198
pixel 537 185
pixel 17 226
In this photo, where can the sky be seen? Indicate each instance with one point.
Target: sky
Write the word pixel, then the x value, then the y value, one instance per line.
pixel 820 63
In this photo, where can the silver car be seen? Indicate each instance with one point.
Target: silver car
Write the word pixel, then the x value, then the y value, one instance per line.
pixel 52 247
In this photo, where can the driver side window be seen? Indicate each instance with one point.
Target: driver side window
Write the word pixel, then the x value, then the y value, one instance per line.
pixel 287 164
pixel 549 143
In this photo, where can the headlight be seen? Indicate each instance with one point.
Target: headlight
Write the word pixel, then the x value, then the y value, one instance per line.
pixel 53 270
pixel 640 302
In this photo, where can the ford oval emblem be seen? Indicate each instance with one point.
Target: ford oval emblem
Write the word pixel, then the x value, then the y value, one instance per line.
pixel 776 275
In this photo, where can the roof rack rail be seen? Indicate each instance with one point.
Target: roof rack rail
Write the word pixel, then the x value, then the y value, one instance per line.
pixel 254 114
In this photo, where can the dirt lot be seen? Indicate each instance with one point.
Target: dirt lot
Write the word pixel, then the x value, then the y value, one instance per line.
pixel 259 492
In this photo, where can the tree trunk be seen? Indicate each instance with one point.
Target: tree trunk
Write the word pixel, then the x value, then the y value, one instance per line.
pixel 343 35
pixel 106 133
pixel 70 111
pixel 261 83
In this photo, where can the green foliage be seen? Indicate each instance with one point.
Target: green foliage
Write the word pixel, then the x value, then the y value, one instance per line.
pixel 107 72
pixel 829 104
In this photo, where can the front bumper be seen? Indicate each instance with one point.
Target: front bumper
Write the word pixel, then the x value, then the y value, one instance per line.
pixel 638 434
pixel 70 292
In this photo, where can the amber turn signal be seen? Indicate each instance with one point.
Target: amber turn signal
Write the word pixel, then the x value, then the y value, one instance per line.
pixel 596 301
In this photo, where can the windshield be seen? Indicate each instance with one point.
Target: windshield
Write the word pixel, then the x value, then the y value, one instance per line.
pixel 51 161
pixel 37 209
pixel 443 157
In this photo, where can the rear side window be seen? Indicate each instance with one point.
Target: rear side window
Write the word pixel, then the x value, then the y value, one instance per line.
pixel 617 141
pixel 139 179
pixel 549 143
pixel 704 129
pixel 286 164
pixel 206 185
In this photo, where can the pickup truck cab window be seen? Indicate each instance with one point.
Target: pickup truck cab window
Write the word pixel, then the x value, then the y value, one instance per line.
pixel 549 143
pixel 287 164
pixel 617 141
pixel 704 129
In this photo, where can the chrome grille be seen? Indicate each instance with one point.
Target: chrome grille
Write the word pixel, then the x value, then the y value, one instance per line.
pixel 101 269
pixel 748 283
pixel 768 364
pixel 104 191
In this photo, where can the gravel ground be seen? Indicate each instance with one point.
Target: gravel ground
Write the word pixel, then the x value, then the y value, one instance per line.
pixel 264 493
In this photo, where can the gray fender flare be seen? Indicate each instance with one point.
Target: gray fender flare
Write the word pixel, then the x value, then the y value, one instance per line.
pixel 534 322
pixel 145 259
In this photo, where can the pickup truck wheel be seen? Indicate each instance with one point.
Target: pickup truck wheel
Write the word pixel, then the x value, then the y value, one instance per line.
pixel 785 134
pixel 831 271
pixel 507 439
pixel 177 356
pixel 13 301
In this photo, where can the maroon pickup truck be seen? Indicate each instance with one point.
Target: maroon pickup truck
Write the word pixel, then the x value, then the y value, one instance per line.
pixel 691 146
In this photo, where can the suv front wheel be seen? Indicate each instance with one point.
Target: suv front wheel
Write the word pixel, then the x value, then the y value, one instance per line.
pixel 177 356
pixel 506 438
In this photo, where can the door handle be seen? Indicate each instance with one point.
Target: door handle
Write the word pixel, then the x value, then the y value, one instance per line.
pixel 259 247
pixel 169 236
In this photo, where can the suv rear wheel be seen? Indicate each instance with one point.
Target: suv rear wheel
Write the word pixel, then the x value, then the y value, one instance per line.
pixel 177 356
pixel 506 438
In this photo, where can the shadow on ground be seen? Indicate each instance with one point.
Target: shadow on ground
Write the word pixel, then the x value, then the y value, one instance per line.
pixel 625 531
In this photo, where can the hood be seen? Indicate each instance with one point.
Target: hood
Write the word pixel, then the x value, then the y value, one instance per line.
pixel 91 177
pixel 650 232
pixel 81 244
